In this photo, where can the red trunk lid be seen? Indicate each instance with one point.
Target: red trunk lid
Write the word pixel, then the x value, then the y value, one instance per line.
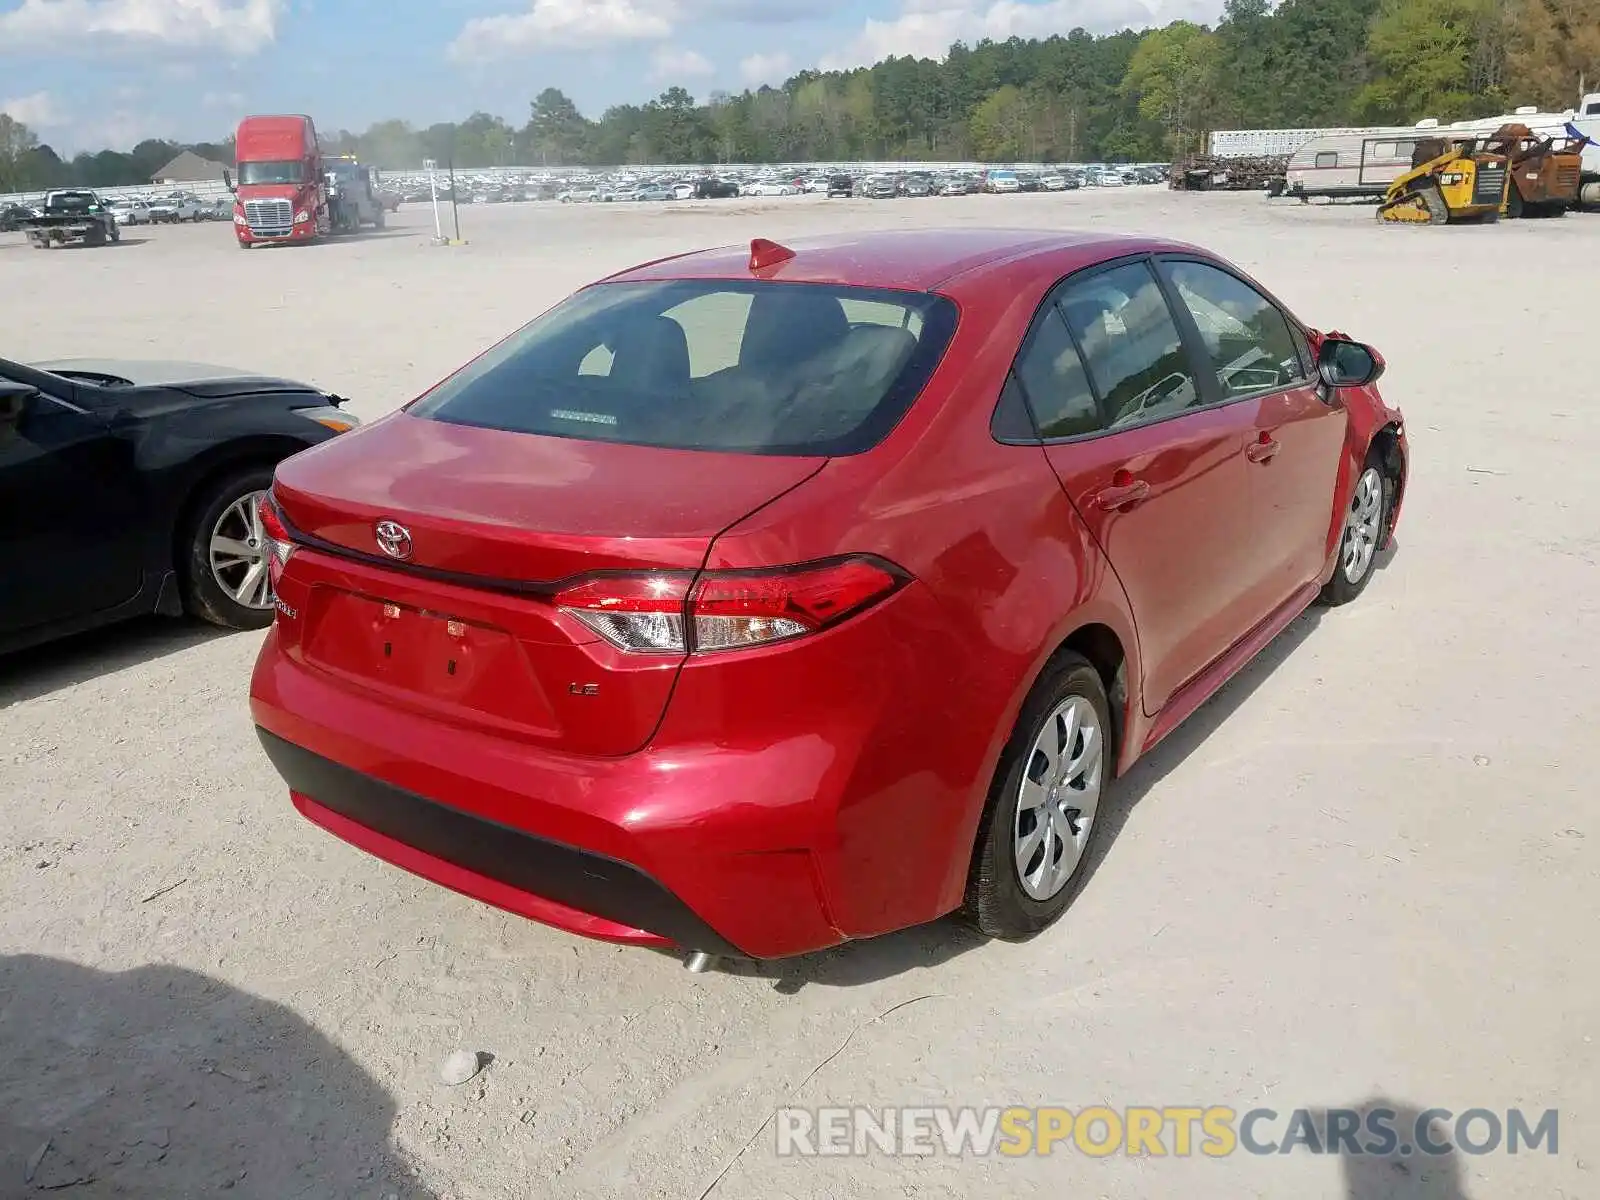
pixel 464 628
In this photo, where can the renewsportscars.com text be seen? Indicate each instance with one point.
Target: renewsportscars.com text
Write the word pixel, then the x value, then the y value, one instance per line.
pixel 1160 1132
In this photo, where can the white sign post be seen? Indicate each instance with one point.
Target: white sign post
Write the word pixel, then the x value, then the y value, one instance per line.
pixel 433 188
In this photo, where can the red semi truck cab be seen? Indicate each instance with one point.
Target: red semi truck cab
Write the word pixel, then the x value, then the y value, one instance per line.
pixel 279 195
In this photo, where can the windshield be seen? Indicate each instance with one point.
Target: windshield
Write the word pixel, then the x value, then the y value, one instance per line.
pixel 272 172
pixel 728 365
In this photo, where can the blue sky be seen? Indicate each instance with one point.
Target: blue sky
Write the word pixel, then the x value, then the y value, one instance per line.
pixel 89 73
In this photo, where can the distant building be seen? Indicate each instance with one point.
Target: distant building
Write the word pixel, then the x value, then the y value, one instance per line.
pixel 189 167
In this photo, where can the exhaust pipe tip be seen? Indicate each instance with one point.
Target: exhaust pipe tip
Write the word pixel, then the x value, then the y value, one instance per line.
pixel 700 962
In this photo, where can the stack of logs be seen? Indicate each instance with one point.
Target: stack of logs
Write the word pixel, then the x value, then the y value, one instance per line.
pixel 1208 173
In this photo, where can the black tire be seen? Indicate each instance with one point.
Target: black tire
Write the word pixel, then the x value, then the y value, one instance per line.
pixel 203 596
pixel 1516 207
pixel 996 901
pixel 1342 588
pixel 379 220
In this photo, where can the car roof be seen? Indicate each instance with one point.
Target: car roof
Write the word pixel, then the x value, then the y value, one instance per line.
pixel 906 260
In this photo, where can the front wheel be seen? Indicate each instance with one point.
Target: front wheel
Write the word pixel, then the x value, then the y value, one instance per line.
pixel 1365 522
pixel 225 576
pixel 1043 812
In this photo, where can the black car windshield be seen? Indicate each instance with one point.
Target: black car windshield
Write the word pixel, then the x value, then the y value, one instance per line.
pixel 72 201
pixel 740 366
pixel 272 172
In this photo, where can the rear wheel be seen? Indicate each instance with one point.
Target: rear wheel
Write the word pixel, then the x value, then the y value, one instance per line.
pixel 1043 811
pixel 225 569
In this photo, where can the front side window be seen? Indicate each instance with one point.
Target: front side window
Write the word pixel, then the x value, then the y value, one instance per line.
pixel 272 172
pixel 1131 345
pixel 1246 338
pixel 730 365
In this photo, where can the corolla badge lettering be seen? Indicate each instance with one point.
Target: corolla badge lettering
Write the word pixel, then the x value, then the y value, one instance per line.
pixel 394 539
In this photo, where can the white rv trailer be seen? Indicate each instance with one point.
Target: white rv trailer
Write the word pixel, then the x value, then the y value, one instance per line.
pixel 1347 163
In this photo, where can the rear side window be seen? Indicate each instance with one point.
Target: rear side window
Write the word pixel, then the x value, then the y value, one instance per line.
pixel 728 365
pixel 1327 158
pixel 1052 376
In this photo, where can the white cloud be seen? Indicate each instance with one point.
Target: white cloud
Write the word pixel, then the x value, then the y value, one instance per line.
pixel 229 100
pixel 37 111
pixel 564 24
pixel 673 66
pixel 237 27
pixel 765 68
pixel 927 28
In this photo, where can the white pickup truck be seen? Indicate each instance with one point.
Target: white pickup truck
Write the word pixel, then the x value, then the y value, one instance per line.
pixel 174 207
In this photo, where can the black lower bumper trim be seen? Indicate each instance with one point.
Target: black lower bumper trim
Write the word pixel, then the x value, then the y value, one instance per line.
pixel 580 879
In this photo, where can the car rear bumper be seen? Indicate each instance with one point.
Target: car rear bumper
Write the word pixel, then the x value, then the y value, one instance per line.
pixel 513 869
pixel 653 848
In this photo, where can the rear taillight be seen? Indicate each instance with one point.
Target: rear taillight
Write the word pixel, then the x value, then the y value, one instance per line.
pixel 275 537
pixel 726 610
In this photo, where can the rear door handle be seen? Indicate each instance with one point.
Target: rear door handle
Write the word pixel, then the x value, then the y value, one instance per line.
pixel 1121 495
pixel 1262 449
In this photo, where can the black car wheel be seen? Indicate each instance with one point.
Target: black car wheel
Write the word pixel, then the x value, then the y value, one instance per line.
pixel 225 569
pixel 1038 831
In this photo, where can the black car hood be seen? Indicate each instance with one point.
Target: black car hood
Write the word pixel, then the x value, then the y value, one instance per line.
pixel 202 380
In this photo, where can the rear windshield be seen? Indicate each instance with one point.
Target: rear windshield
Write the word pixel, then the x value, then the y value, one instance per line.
pixel 729 365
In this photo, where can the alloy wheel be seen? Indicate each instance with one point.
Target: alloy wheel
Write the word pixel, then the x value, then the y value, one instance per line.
pixel 1058 798
pixel 238 553
pixel 1363 525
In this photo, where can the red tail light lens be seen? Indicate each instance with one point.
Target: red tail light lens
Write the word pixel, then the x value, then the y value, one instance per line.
pixel 727 610
pixel 275 538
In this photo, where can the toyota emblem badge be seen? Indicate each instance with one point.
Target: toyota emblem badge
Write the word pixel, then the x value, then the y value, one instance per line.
pixel 394 539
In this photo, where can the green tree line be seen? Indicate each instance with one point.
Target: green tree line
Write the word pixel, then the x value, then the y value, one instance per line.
pixel 1075 97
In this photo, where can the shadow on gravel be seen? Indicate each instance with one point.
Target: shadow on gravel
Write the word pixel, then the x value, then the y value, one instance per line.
pixel 159 1083
pixel 1374 1167
pixel 40 670
pixel 880 958
pixel 76 246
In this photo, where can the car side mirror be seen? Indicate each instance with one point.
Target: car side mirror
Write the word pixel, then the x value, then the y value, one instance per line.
pixel 227 179
pixel 1343 363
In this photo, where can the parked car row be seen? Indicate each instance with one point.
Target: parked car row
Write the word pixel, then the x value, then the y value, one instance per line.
pixel 511 186
pixel 170 209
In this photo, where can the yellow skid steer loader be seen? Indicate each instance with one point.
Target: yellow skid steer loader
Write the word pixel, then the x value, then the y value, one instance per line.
pixel 1451 179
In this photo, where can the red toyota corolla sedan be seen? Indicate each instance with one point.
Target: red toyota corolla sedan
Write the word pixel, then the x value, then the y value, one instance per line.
pixel 755 600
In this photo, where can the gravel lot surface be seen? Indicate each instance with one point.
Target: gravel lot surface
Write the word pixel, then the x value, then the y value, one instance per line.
pixel 1368 871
